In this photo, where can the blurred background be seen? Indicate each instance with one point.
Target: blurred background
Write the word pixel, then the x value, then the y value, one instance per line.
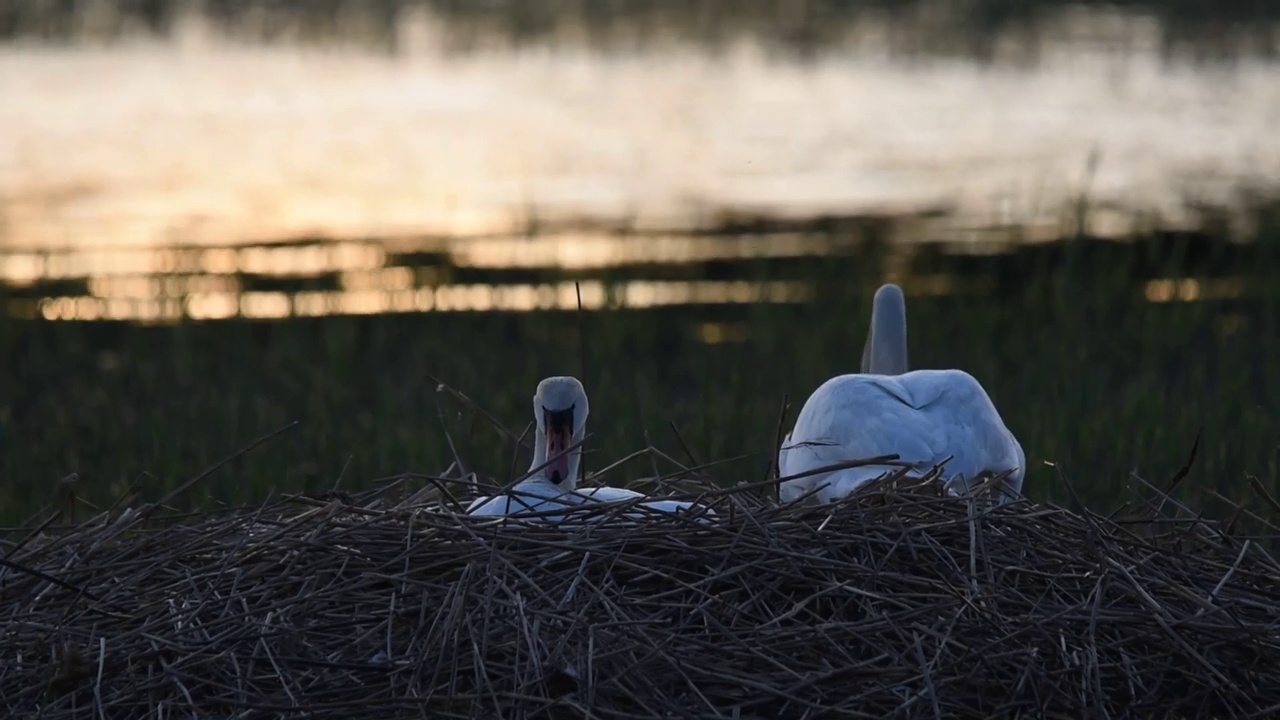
pixel 220 216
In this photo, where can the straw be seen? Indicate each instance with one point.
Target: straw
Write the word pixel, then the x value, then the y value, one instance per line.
pixel 900 602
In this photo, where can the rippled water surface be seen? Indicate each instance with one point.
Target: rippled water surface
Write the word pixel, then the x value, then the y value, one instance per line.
pixel 178 158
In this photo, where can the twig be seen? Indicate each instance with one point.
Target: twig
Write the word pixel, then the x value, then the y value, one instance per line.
pixel 683 446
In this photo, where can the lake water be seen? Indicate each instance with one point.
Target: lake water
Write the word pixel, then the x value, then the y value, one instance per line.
pixel 203 176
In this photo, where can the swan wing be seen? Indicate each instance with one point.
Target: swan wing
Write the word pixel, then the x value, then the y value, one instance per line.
pixel 605 493
pixel 536 494
pixel 614 494
pixel 860 416
pixel 970 428
pixel 924 417
pixel 487 505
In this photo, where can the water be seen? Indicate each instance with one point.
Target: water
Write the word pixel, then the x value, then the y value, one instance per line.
pixel 247 234
pixel 145 170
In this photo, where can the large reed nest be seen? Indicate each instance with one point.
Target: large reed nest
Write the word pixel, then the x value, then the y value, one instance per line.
pixel 899 603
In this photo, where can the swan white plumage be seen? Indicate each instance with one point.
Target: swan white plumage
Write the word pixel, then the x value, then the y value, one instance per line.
pixel 923 416
pixel 560 413
pixel 605 493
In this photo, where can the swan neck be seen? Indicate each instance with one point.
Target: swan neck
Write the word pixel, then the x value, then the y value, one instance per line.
pixel 539 448
pixel 575 459
pixel 886 350
pixel 575 456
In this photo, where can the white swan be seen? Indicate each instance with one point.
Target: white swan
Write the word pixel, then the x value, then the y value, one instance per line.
pixel 560 411
pixel 923 416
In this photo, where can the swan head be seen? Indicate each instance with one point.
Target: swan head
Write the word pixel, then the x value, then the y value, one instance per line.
pixel 560 410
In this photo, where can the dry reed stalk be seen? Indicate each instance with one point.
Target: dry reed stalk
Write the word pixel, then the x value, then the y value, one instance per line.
pixel 901 602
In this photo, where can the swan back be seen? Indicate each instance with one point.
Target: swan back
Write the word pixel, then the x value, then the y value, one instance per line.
pixel 923 416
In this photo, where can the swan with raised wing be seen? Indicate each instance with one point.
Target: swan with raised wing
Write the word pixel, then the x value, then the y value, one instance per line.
pixel 923 416
pixel 560 412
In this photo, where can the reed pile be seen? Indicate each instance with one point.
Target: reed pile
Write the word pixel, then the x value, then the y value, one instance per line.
pixel 901 602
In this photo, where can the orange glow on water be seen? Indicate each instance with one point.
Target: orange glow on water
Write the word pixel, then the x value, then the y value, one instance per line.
pixel 446 298
pixel 166 144
pixel 176 178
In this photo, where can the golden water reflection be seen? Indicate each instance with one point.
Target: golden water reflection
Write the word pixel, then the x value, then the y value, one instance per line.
pixel 165 284
pixel 1191 289
pixel 445 298
pixel 159 300
pixel 595 251
pixel 24 268
pixel 363 264
pixel 595 295
pixel 216 143
pixel 154 181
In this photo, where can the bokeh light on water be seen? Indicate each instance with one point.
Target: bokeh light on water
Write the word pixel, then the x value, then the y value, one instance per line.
pixel 159 172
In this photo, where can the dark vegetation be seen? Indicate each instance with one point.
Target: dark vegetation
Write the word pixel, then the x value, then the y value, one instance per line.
pixel 1196 28
pixel 1089 372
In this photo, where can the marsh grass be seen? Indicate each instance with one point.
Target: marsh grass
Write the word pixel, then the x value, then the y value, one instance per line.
pixel 1091 376
pixel 901 601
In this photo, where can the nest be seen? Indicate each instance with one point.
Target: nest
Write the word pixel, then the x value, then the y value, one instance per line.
pixel 901 602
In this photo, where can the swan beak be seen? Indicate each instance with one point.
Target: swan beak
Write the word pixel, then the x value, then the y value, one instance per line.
pixel 559 425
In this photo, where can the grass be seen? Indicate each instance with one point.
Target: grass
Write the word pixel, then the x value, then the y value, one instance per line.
pixel 1088 373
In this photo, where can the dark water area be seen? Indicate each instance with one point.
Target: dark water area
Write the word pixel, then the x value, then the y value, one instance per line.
pixel 1192 28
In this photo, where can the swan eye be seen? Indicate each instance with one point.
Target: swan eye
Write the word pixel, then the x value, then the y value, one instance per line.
pixel 558 420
